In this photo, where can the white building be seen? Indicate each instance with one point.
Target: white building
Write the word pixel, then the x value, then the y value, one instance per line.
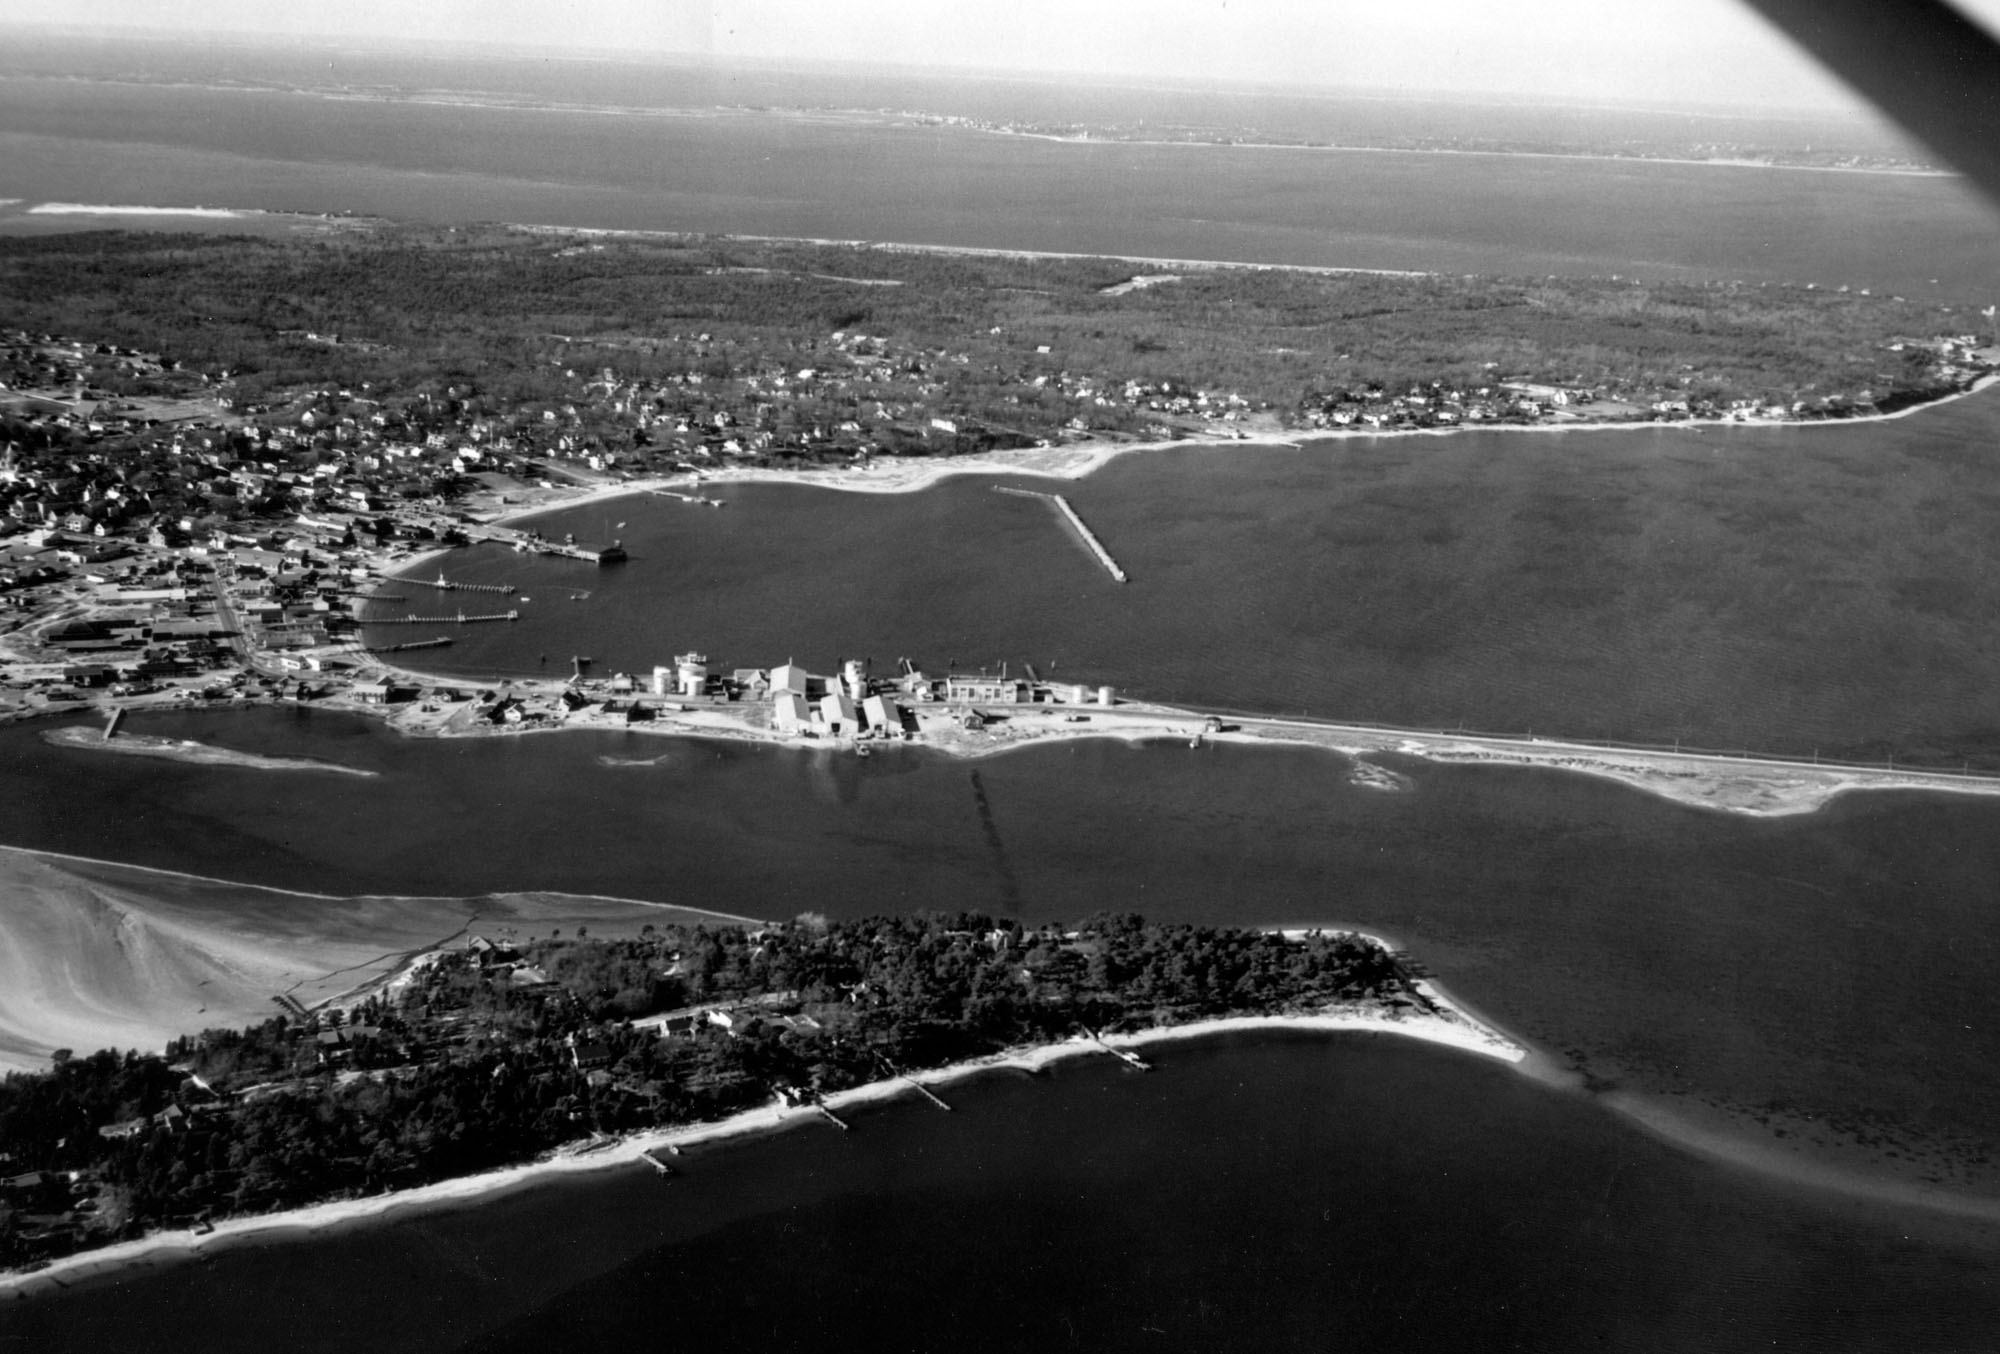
pixel 691 671
pixel 836 708
pixel 791 713
pixel 883 714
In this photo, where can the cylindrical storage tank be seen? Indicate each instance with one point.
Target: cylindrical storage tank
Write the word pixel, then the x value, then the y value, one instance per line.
pixel 854 674
pixel 663 681
pixel 1104 696
pixel 1079 694
pixel 693 671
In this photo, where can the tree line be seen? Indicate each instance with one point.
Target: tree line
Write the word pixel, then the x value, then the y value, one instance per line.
pixel 488 1056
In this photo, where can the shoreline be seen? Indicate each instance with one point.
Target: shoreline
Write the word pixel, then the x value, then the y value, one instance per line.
pixel 102 954
pixel 186 750
pixel 1753 786
pixel 64 857
pixel 1078 460
pixel 1451 1026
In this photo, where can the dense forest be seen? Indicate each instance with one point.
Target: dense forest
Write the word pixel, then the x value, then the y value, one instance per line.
pixel 1017 343
pixel 489 1055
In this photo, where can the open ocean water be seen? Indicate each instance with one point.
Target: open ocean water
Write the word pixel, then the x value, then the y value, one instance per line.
pixel 1829 977
pixel 708 151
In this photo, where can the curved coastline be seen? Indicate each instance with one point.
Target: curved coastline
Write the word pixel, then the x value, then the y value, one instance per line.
pixel 1450 1026
pixel 1077 460
pixel 1757 786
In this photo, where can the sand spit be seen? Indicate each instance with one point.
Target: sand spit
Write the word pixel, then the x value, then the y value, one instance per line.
pixel 1762 787
pixel 1449 1026
pixel 186 750
pixel 100 209
pixel 99 955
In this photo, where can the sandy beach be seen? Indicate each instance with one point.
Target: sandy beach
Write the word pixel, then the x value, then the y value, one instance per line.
pixel 96 954
pixel 186 750
pixel 1449 1026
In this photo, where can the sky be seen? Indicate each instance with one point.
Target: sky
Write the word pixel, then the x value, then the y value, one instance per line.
pixel 1655 51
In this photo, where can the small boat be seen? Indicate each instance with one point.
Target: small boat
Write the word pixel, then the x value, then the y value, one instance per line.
pixel 862 751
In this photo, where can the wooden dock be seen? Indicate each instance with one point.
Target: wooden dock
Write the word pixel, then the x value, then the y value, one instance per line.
pixel 831 1117
pixel 438 643
pixel 922 1090
pixel 1130 1059
pixel 666 1171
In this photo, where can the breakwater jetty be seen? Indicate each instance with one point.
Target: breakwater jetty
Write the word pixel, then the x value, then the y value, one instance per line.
pixel 1083 532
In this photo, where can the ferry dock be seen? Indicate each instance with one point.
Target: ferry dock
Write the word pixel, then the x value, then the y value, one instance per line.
pixel 1083 532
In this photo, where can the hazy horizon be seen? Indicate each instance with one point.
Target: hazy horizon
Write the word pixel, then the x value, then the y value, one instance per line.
pixel 1681 54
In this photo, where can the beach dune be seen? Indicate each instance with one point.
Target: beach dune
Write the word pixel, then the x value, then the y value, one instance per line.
pixel 98 955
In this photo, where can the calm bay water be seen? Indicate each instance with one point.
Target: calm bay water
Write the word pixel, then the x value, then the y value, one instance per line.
pixel 1785 590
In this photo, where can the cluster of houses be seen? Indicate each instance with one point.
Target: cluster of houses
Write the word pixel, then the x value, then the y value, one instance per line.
pixel 1953 361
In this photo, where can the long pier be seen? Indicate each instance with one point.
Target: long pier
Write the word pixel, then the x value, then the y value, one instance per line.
pixel 440 642
pixel 1084 533
pixel 460 619
pixel 688 498
pixel 443 584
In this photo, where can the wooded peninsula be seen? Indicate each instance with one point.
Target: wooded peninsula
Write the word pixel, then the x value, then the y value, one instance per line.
pixel 489 1053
